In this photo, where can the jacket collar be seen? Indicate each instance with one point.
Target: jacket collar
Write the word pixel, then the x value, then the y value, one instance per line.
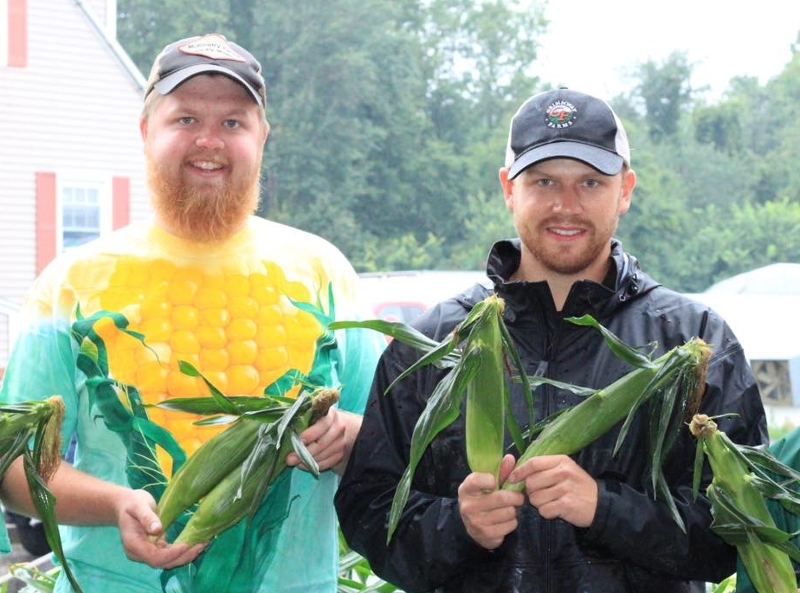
pixel 625 280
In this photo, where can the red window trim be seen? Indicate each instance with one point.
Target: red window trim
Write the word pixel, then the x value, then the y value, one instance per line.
pixel 45 219
pixel 18 33
pixel 121 202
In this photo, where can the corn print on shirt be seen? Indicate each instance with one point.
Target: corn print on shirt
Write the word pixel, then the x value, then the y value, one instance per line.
pixel 231 310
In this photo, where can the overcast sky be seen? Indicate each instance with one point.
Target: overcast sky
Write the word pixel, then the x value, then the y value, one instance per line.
pixel 594 45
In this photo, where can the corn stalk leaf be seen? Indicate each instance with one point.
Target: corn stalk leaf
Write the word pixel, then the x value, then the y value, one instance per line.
pixel 44 502
pixel 13 449
pixel 536 380
pixel 442 409
pixel 737 527
pixel 510 350
pixel 226 406
pixel 444 350
pixel 208 406
pixel 759 458
pixel 305 456
pixel 787 498
pixel 662 492
pixel 274 437
pixel 699 458
pixel 396 329
pixel 622 350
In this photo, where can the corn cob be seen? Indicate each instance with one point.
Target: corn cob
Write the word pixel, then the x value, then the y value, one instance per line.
pixel 475 353
pixel 599 412
pixel 20 422
pixel 224 502
pixel 40 421
pixel 486 413
pixel 733 496
pixel 207 467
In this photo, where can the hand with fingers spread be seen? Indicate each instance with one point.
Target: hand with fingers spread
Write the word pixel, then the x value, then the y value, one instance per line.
pixel 559 488
pixel 489 514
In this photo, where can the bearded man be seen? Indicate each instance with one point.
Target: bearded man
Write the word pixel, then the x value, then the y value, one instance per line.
pixel 241 298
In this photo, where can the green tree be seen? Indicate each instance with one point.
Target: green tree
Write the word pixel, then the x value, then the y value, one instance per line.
pixel 145 26
pixel 389 123
pixel 666 91
pixel 385 115
pixel 751 236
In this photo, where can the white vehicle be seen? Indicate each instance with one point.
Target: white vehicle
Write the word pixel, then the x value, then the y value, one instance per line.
pixel 401 296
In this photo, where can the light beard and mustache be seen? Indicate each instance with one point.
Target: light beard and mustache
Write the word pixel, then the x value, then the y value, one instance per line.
pixel 201 213
pixel 569 262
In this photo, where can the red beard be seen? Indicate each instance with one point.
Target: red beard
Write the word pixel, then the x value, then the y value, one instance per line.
pixel 202 214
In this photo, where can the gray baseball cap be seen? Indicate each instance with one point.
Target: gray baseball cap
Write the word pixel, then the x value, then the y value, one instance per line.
pixel 181 60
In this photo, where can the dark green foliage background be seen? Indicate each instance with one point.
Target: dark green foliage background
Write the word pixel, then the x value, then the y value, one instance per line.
pixel 389 123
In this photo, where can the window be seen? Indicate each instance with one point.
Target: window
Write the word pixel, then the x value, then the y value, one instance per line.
pixel 73 208
pixel 85 210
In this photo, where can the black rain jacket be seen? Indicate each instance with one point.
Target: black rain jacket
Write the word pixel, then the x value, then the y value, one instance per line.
pixel 633 545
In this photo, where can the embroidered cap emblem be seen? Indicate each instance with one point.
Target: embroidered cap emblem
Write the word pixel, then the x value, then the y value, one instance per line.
pixel 213 47
pixel 561 114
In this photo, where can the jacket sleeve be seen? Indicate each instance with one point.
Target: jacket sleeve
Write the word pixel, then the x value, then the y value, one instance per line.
pixel 430 545
pixel 655 543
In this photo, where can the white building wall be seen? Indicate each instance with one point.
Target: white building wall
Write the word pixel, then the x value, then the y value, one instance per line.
pixel 75 107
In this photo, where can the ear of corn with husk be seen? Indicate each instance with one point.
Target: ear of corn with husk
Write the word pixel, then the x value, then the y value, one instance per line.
pixel 675 380
pixel 226 479
pixel 738 493
pixel 40 421
pixel 244 460
pixel 478 353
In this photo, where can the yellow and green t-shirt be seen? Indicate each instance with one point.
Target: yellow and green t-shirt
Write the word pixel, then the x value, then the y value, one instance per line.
pixel 231 309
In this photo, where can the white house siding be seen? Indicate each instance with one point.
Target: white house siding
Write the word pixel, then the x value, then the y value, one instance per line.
pixel 75 107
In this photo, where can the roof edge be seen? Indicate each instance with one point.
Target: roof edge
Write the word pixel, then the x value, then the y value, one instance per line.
pixel 114 46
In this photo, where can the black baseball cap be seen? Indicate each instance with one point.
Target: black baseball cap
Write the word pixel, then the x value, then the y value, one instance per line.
pixel 181 60
pixel 563 123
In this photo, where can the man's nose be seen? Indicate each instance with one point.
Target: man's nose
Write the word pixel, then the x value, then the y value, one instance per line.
pixel 209 138
pixel 567 201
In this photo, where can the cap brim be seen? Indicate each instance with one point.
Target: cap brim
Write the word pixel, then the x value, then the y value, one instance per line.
pixel 608 163
pixel 170 83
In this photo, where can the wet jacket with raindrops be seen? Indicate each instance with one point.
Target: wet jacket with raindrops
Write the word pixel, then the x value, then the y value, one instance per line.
pixel 633 545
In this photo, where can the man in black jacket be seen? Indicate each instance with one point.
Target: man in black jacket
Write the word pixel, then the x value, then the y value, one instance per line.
pixel 587 522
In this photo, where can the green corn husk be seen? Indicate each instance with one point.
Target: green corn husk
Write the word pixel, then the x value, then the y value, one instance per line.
pixel 40 421
pixel 683 367
pixel 738 505
pixel 209 465
pixel 486 412
pixel 23 421
pixel 228 476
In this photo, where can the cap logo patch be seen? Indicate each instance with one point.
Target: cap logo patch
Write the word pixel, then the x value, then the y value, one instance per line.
pixel 561 114
pixel 213 47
